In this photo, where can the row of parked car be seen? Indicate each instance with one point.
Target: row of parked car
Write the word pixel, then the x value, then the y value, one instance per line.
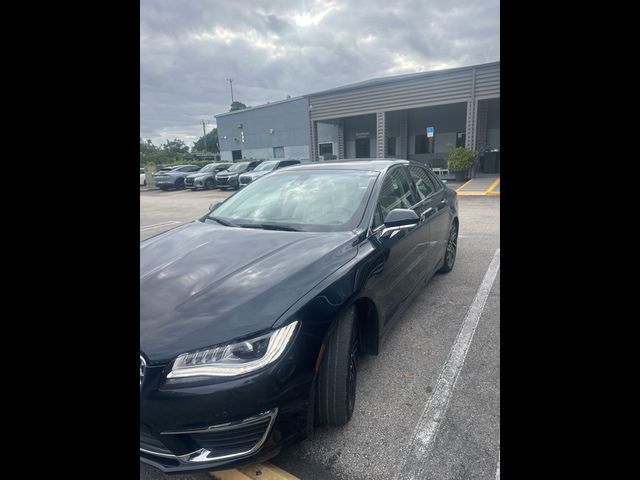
pixel 223 175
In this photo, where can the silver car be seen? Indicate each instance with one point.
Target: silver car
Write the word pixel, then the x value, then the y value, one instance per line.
pixel 206 177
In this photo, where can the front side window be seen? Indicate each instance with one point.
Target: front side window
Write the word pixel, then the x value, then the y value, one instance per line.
pixel 395 193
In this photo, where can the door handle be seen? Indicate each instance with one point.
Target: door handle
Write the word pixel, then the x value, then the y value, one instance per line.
pixel 426 212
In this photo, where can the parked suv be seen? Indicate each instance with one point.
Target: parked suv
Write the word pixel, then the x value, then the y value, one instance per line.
pixel 206 177
pixel 263 169
pixel 229 178
pixel 174 177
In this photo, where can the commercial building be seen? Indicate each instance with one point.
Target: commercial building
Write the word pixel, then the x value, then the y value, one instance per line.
pixel 414 116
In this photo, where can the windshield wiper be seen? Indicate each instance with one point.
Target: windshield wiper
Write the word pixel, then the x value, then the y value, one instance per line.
pixel 269 226
pixel 226 223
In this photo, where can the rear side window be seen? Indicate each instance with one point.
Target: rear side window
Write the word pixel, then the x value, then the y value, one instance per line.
pixel 424 183
pixel 436 181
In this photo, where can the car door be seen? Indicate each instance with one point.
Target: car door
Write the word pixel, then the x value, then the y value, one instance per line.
pixel 425 191
pixel 394 279
pixel 441 223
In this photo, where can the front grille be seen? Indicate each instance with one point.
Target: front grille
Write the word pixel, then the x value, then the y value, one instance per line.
pixel 233 440
pixel 188 181
pixel 151 443
pixel 245 180
pixel 222 181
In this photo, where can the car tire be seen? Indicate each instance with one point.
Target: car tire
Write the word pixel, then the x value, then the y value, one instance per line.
pixel 209 185
pixel 452 248
pixel 180 184
pixel 144 184
pixel 338 373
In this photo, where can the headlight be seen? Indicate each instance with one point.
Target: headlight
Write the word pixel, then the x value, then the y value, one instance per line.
pixel 235 358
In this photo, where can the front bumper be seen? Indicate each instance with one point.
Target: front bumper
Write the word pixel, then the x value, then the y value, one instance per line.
pixel 194 184
pixel 201 424
pixel 229 444
pixel 227 182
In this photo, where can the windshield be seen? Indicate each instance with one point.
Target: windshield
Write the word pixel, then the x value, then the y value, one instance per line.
pixel 266 166
pixel 238 166
pixel 318 200
pixel 208 168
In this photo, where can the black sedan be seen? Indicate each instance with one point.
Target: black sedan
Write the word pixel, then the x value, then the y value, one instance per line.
pixel 252 318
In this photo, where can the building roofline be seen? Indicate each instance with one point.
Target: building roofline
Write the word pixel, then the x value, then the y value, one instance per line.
pixel 398 78
pixel 367 83
pixel 260 106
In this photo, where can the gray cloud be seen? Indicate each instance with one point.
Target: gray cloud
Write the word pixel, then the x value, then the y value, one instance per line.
pixel 292 47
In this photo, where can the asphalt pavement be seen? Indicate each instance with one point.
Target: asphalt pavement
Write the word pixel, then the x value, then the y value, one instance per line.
pixel 435 386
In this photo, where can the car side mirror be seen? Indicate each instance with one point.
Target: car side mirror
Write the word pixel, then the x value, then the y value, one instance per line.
pixel 401 217
pixel 213 206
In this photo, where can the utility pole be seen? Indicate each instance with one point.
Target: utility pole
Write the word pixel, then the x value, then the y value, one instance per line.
pixel 230 80
pixel 204 130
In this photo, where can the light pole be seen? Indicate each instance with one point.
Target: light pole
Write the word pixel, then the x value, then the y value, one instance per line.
pixel 204 130
pixel 230 80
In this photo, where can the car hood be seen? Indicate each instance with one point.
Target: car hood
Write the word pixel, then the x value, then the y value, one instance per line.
pixel 254 175
pixel 204 284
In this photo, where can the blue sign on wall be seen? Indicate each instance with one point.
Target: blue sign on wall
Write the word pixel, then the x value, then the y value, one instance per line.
pixel 429 132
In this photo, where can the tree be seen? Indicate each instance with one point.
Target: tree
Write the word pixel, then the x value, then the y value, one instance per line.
pixel 175 148
pixel 237 106
pixel 212 143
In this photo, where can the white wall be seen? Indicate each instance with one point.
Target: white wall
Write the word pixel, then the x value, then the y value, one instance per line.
pixel 296 151
pixel 293 151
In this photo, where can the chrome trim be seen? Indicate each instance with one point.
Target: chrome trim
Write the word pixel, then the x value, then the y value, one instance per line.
pixel 203 455
pixel 226 426
pixel 143 367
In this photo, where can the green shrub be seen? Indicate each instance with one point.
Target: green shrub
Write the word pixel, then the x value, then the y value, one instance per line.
pixel 460 159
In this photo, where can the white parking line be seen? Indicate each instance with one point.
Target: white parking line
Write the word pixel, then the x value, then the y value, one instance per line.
pixel 498 469
pixel 436 407
pixel 158 225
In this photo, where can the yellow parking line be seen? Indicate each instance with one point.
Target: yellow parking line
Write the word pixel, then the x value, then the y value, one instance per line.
pixel 472 194
pixel 260 471
pixel 494 185
pixel 463 185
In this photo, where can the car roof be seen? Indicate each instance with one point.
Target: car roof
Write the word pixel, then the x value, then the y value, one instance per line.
pixel 366 164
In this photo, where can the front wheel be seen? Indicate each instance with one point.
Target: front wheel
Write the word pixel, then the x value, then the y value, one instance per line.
pixel 452 247
pixel 338 374
pixel 179 184
pixel 208 185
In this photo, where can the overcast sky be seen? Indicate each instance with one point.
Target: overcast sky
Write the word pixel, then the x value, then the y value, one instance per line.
pixel 275 48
